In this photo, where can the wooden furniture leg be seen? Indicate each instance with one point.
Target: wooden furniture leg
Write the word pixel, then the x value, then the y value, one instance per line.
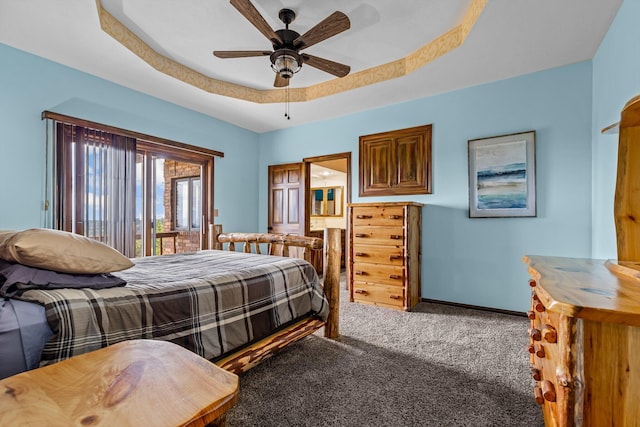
pixel 331 276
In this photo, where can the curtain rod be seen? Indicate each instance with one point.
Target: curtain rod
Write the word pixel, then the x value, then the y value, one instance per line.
pixel 124 132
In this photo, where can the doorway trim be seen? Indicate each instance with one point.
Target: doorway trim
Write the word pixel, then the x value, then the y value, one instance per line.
pixel 307 173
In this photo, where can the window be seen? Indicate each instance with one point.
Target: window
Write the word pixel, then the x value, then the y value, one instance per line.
pixel 109 184
pixel 187 203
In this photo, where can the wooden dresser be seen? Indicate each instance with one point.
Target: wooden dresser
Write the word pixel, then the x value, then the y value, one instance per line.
pixel 584 340
pixel 384 253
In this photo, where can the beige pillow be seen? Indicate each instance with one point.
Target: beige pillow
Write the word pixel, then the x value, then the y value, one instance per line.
pixel 60 251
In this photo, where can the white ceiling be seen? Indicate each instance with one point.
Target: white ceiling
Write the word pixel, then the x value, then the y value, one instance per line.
pixel 511 37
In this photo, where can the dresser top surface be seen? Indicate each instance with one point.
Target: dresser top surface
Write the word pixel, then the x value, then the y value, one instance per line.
pixel 587 288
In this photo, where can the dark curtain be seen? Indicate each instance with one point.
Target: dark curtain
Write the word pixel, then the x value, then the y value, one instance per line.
pixel 96 189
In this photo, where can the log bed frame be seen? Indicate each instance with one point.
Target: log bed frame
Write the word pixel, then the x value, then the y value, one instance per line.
pixel 279 244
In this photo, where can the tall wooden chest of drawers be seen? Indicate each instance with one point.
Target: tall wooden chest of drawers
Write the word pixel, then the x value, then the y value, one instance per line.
pixel 584 341
pixel 384 253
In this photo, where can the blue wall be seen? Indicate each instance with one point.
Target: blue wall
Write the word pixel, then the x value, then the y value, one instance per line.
pixel 616 79
pixel 477 261
pixel 30 84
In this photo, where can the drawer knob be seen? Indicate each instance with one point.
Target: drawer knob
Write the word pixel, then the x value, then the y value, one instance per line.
pixel 360 291
pixel 531 314
pixel 395 237
pixel 537 304
pixel 394 257
pixel 549 333
pixel 364 216
pixel 395 276
pixel 540 352
pixel 395 217
pixel 537 393
pixel 535 373
pixel 360 273
pixel 361 235
pixel 535 334
pixel 532 283
pixel 548 391
pixel 395 297
pixel 531 349
pixel 361 254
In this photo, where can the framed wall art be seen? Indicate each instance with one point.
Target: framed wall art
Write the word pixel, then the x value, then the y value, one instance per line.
pixel 502 176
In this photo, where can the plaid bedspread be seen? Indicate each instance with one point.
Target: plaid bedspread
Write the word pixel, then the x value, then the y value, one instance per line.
pixel 210 302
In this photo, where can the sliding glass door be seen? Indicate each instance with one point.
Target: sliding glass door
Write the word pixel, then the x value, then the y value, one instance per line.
pixel 142 198
pixel 169 204
pixel 150 208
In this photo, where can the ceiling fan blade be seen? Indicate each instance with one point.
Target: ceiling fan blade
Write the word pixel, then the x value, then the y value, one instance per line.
pixel 335 68
pixel 240 53
pixel 280 82
pixel 334 24
pixel 248 10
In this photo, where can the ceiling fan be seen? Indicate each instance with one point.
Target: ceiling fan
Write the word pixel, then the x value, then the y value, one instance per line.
pixel 286 58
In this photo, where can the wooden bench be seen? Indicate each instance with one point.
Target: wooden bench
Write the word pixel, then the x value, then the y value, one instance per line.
pixel 132 383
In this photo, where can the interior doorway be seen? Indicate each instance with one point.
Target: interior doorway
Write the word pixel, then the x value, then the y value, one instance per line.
pixel 328 191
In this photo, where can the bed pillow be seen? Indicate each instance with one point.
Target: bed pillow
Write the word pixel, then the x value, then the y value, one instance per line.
pixel 60 251
pixel 17 278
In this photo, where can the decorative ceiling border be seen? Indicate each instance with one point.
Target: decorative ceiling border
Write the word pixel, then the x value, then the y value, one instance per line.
pixel 391 70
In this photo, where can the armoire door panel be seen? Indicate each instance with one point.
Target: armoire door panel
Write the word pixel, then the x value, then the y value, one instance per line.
pixel 379 155
pixel 408 150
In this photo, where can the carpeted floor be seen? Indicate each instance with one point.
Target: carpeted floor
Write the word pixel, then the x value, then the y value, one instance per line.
pixel 436 366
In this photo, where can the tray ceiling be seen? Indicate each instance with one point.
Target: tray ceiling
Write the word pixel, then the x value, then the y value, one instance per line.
pixel 509 38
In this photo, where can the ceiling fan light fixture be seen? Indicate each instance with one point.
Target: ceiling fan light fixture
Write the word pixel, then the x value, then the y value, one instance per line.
pixel 286 62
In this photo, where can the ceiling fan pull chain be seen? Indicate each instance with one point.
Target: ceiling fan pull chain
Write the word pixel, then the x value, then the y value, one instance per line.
pixel 286 106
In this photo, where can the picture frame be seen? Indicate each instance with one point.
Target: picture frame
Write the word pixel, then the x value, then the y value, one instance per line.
pixel 502 176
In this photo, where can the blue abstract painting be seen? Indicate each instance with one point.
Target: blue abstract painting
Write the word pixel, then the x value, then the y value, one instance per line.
pixel 501 177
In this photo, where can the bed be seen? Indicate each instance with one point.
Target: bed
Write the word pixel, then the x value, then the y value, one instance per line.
pixel 234 308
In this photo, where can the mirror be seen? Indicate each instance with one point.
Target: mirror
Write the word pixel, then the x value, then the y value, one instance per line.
pixel 326 201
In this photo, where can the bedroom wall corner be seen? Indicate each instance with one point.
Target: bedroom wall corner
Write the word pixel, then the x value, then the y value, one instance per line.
pixel 615 80
pixel 30 84
pixel 477 261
